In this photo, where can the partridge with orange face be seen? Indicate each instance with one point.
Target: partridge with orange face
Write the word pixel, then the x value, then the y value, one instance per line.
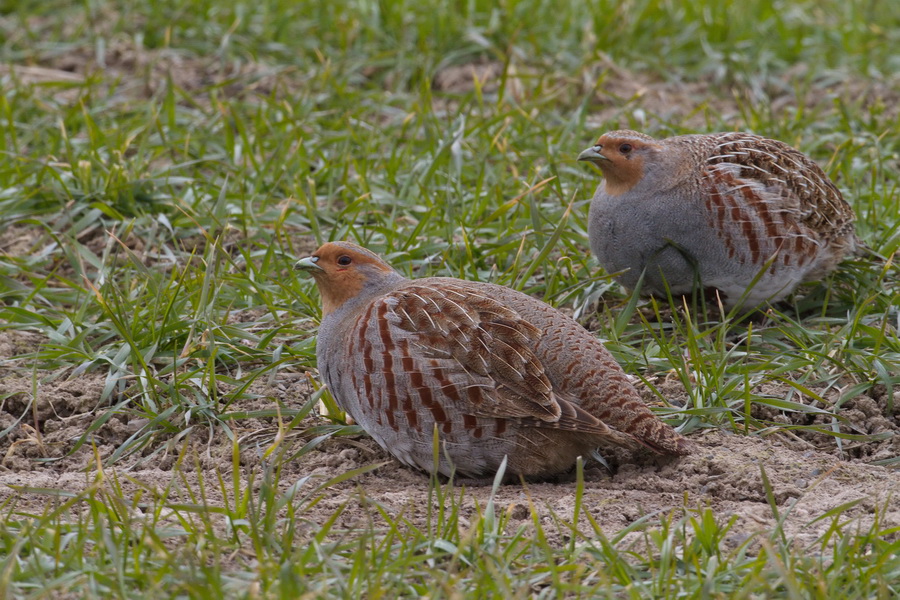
pixel 735 215
pixel 497 372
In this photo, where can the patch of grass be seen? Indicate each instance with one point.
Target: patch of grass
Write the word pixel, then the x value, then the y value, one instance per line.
pixel 162 165
pixel 247 537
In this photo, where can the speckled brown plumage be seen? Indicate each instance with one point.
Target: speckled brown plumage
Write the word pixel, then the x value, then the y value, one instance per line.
pixel 747 217
pixel 497 372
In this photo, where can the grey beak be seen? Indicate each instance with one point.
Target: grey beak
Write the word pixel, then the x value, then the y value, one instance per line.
pixel 592 154
pixel 308 264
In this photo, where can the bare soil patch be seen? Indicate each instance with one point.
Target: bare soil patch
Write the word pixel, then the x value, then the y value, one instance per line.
pixel 724 473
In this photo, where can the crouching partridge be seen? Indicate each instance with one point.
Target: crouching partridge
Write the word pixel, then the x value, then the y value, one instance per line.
pixel 498 373
pixel 734 215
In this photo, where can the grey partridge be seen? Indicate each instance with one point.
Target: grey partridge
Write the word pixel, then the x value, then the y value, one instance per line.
pixel 497 372
pixel 733 215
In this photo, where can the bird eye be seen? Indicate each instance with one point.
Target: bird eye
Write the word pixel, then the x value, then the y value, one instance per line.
pixel 625 148
pixel 344 260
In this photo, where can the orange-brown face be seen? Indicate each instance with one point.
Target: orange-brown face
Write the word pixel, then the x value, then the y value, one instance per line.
pixel 341 271
pixel 620 155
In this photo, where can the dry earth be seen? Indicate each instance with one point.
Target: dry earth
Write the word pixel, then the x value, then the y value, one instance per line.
pixel 724 474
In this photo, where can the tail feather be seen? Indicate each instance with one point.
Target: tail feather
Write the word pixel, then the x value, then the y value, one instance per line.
pixel 647 431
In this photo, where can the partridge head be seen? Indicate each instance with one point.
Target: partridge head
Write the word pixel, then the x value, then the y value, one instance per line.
pixel 496 372
pixel 740 217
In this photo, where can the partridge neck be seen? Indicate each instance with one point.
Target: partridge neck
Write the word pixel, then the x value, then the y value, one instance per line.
pixel 349 296
pixel 623 176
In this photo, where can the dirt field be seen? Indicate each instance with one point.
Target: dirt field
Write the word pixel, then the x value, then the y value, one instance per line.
pixel 723 474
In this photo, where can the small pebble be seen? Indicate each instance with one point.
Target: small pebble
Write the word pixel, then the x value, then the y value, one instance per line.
pixel 520 512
